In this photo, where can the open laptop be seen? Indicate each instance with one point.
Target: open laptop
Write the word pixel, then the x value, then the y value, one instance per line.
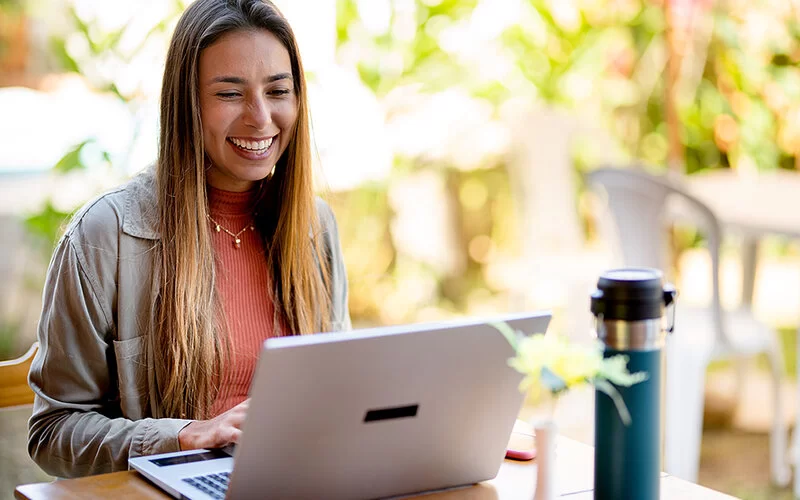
pixel 370 413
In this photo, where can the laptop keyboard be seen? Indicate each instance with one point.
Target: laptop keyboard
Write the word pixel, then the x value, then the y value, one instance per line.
pixel 213 485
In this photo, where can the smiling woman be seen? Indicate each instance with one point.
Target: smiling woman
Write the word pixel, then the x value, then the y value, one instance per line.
pixel 248 107
pixel 162 291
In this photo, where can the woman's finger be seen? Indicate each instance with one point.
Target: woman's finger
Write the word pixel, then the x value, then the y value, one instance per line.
pixel 234 436
pixel 237 419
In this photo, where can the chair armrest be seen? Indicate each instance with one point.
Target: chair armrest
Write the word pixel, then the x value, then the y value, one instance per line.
pixel 14 388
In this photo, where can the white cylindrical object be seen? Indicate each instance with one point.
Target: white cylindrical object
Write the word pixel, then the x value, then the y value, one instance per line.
pixel 546 433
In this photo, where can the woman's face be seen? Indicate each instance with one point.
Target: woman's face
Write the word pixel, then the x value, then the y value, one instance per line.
pixel 248 107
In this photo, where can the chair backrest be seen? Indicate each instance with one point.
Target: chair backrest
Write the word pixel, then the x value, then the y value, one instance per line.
pixel 14 388
pixel 636 205
pixel 639 205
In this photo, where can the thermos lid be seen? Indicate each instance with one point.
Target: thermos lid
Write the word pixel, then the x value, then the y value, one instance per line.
pixel 631 294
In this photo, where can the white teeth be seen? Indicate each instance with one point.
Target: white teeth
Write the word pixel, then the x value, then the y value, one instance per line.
pixel 253 145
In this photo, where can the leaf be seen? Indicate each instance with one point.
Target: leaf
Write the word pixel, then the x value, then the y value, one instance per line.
pixel 781 60
pixel 608 389
pixel 111 40
pixel 552 382
pixel 615 370
pixel 72 159
pixel 112 87
pixel 346 14
pixel 370 76
pixel 59 50
pixel 83 28
pixel 510 335
pixel 47 224
pixel 161 27
pixel 454 9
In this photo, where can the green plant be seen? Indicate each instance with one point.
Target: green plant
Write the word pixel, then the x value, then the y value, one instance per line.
pixel 552 366
pixel 736 91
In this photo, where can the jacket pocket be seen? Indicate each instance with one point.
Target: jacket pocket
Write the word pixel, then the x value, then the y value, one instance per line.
pixel 132 373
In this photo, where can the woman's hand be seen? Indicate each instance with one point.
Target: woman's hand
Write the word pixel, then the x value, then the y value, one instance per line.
pixel 222 430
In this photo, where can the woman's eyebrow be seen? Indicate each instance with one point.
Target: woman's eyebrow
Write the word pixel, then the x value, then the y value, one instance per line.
pixel 243 81
pixel 279 76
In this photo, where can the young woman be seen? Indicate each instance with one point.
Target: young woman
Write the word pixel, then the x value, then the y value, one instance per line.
pixel 161 292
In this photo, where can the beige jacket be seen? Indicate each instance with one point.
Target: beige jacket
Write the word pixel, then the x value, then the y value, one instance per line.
pixel 93 402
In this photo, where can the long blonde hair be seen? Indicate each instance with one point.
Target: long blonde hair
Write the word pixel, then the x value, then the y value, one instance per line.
pixel 189 346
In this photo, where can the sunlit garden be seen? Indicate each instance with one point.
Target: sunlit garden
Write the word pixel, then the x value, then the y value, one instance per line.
pixel 452 139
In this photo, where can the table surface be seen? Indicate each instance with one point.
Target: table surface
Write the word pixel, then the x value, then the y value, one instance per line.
pixel 516 480
pixel 755 205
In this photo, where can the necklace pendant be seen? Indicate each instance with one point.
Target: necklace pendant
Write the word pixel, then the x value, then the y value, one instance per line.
pixel 237 243
pixel 217 227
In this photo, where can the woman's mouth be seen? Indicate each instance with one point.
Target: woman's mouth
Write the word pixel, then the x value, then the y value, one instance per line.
pixel 252 146
pixel 252 149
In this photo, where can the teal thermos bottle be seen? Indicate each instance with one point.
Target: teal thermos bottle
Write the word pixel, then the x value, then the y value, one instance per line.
pixel 629 306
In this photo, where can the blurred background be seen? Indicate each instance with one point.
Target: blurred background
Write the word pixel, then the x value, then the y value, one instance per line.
pixel 452 137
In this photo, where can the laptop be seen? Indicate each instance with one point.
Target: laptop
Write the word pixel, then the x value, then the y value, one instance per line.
pixel 372 413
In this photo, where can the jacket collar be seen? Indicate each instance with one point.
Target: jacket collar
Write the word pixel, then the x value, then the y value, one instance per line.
pixel 140 218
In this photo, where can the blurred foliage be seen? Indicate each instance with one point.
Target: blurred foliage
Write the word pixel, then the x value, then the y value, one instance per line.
pixel 47 224
pixel 102 47
pixel 393 59
pixel 736 92
pixel 602 59
pixel 10 12
pixel 389 285
pixel 11 6
pixel 611 55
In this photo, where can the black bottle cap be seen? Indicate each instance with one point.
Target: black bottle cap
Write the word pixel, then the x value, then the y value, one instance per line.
pixel 631 294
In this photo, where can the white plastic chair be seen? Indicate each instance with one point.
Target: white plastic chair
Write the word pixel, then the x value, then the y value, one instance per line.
pixel 641 206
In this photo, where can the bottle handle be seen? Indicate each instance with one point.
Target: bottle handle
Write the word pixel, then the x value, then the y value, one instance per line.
pixel 670 293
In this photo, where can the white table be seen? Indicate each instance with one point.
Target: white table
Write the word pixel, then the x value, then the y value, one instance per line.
pixel 754 207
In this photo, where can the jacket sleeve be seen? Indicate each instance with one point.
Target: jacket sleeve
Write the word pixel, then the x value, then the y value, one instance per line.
pixel 76 428
pixel 340 314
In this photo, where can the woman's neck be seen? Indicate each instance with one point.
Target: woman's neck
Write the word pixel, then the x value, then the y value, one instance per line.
pixel 231 203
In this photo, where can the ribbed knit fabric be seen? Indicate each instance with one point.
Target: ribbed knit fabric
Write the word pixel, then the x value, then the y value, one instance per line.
pixel 243 285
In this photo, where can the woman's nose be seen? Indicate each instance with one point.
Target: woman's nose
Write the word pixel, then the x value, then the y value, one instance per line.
pixel 258 113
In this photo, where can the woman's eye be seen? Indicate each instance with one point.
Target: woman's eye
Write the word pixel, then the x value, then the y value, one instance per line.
pixel 280 91
pixel 227 95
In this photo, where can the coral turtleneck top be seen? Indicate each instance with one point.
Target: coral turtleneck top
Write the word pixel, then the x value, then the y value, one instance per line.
pixel 243 285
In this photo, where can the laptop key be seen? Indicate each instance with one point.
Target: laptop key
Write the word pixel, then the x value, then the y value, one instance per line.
pixel 213 485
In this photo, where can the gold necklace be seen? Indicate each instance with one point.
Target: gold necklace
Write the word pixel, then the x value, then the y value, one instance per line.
pixel 237 242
